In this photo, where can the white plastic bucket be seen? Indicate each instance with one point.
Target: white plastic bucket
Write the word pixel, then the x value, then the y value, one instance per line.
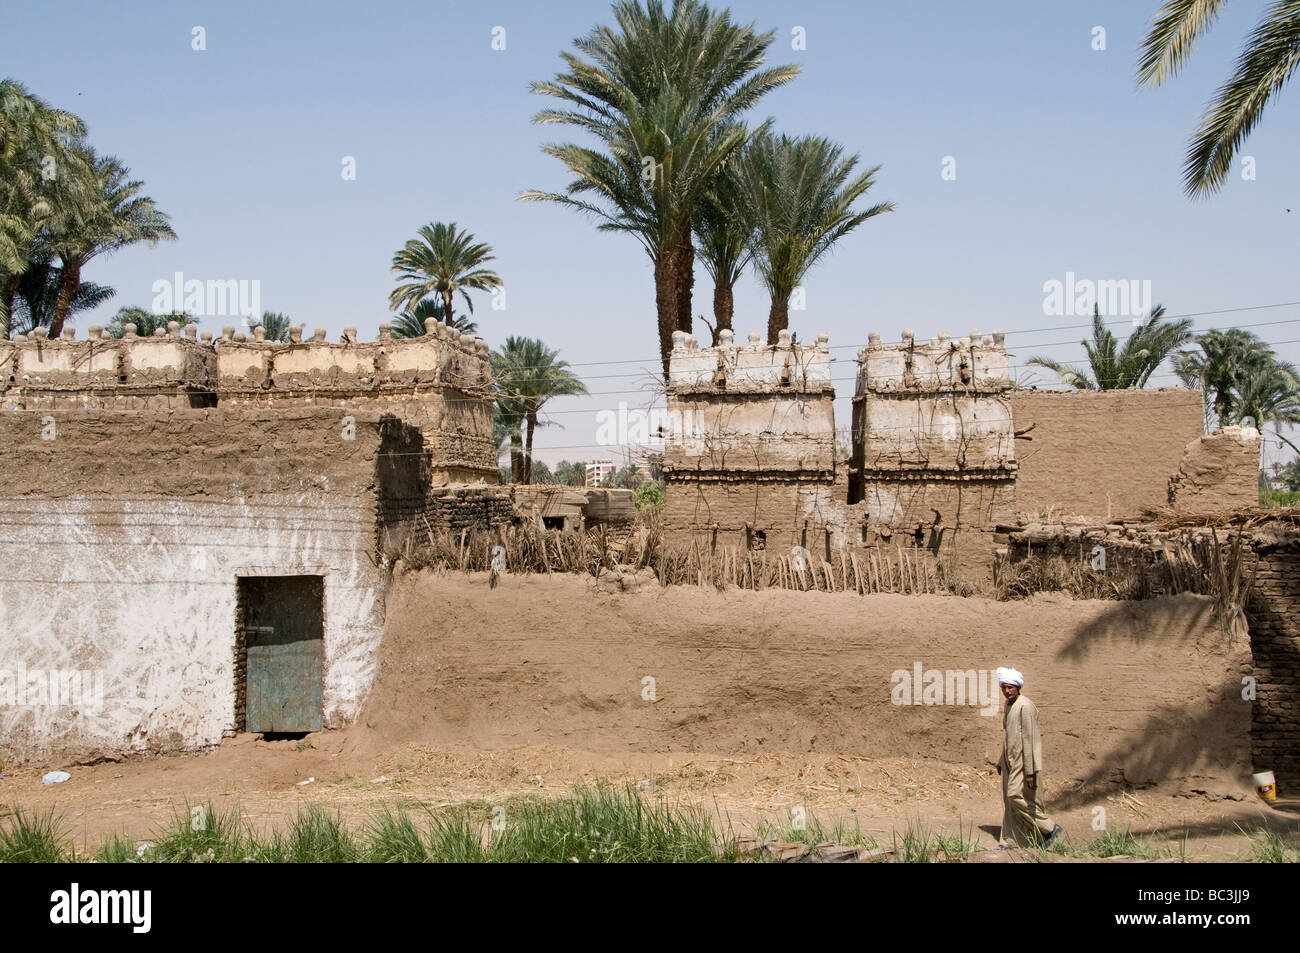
pixel 1265 785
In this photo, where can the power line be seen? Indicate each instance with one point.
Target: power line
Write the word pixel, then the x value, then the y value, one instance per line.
pixel 657 376
pixel 1060 327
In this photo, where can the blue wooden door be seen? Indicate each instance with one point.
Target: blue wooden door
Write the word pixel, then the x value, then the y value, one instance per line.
pixel 284 641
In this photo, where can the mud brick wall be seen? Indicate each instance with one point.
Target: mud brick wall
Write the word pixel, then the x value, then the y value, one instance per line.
pixel 1274 617
pixel 441 382
pixel 455 507
pixel 933 446
pixel 125 535
pixel 167 372
pixel 775 508
pixel 749 427
pixel 1101 454
pixel 1218 475
pixel 470 507
pixel 111 400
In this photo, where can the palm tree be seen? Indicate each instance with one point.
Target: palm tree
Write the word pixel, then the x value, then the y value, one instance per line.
pixel 38 293
pixel 410 324
pixel 1270 56
pixel 1115 367
pixel 1240 376
pixel 507 423
pixel 529 375
pixel 39 174
pixel 799 192
pixel 1271 395
pixel 112 215
pixel 662 95
pixel 275 326
pixel 1225 356
pixel 444 262
pixel 724 232
pixel 146 322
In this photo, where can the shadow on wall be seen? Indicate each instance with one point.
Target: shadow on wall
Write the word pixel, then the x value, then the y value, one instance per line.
pixel 1181 620
pixel 1206 738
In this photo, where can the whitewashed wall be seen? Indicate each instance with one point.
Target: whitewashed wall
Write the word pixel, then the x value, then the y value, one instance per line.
pixel 141 594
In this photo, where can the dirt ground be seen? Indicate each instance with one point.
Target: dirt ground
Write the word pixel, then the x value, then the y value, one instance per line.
pixel 761 702
pixel 139 795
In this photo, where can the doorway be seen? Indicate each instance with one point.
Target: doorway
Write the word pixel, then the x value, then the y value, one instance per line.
pixel 281 649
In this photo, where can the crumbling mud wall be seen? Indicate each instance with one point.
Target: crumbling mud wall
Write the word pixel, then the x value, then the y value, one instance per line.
pixel 440 382
pixel 1100 454
pixel 933 454
pixel 1218 475
pixel 750 427
pixel 124 536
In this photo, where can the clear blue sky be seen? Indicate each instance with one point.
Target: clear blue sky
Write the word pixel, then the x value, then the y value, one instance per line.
pixel 1063 165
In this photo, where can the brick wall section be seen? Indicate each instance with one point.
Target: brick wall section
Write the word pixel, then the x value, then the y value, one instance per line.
pixel 1275 646
pixel 453 507
pixel 773 507
pixel 240 663
pixel 469 507
pixel 456 426
pixel 1104 454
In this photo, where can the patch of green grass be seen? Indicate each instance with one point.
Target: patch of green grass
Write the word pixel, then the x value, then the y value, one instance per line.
pixel 315 837
pixel 918 844
pixel 200 834
pixel 33 839
pixel 1269 847
pixel 814 832
pixel 456 836
pixel 602 823
pixel 956 847
pixel 1270 499
pixel 393 838
pixel 116 849
pixel 1116 842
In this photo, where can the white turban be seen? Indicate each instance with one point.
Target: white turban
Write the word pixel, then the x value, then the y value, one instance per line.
pixel 1009 676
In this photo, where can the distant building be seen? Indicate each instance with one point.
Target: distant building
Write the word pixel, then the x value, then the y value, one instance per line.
pixel 598 473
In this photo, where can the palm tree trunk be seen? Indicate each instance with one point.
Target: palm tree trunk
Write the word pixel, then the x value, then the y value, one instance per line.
pixel 10 295
pixel 516 458
pixel 666 286
pixel 778 317
pixel 69 278
pixel 723 308
pixel 685 250
pixel 528 450
pixel 446 307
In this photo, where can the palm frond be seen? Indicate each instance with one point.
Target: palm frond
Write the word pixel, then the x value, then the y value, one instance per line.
pixel 1174 31
pixel 1270 58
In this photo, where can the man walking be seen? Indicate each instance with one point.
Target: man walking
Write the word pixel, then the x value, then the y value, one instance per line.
pixel 1021 764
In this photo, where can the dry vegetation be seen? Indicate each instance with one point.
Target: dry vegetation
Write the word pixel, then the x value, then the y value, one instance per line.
pixel 528 548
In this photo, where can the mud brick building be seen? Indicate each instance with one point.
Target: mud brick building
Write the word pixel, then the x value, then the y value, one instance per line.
pixel 751 432
pixel 945 453
pixel 204 524
pixel 933 443
pixel 132 542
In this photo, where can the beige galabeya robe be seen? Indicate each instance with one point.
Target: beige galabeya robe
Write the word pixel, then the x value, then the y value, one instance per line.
pixel 1022 754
